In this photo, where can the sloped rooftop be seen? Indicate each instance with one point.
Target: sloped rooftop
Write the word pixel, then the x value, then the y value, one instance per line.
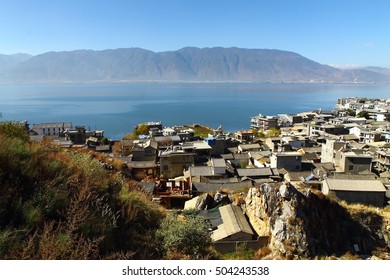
pixel 355 185
pixel 234 222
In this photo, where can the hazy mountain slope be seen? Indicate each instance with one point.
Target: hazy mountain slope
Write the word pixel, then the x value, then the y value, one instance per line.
pixel 378 70
pixel 7 61
pixel 253 65
pixel 362 75
pixel 187 64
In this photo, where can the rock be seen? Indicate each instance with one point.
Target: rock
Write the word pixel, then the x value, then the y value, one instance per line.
pixel 204 201
pixel 287 211
pixel 284 191
pixel 279 230
pixel 304 224
pixel 218 197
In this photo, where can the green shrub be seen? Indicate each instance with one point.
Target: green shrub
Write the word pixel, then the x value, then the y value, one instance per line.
pixel 188 236
pixel 14 130
pixel 241 253
pixel 63 205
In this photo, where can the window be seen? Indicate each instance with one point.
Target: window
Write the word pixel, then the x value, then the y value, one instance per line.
pixel 350 168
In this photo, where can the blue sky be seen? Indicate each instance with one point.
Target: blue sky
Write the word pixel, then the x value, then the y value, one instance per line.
pixel 335 32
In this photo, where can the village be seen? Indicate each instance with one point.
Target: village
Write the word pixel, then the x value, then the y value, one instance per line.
pixel 343 153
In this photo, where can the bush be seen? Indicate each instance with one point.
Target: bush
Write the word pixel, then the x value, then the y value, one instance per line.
pixel 188 236
pixel 241 253
pixel 57 204
pixel 14 130
pixel 364 114
pixel 351 112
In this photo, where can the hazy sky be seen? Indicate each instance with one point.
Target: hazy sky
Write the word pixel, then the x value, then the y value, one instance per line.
pixel 336 32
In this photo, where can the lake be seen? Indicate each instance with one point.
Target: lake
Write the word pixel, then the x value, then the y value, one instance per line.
pixel 116 108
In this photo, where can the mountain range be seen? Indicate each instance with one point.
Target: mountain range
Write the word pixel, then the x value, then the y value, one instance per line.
pixel 187 64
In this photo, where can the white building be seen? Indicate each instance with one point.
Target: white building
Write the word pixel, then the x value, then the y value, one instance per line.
pixel 51 129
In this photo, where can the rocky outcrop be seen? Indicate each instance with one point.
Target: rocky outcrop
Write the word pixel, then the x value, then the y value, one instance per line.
pixel 304 224
pixel 206 201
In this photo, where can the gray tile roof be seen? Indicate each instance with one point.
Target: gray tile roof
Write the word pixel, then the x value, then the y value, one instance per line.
pixel 50 125
pixel 234 222
pixel 244 156
pixel 254 172
pixel 227 156
pixel 326 165
pixel 173 138
pixel 371 176
pixel 246 147
pixel 355 185
pixel 201 171
pixel 259 154
pixel 213 187
pixel 218 162
pixel 141 164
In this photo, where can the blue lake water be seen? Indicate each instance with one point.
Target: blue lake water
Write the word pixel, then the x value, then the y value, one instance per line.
pixel 116 108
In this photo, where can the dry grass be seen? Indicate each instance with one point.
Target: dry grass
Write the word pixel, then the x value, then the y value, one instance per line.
pixel 263 253
pixel 350 256
pixel 62 204
pixel 370 213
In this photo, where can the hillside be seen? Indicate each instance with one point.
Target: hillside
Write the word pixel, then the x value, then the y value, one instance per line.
pixel 187 64
pixel 63 204
pixel 9 61
pixel 59 204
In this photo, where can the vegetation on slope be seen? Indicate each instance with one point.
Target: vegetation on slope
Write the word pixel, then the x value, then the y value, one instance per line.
pixel 184 237
pixel 57 204
pixel 200 130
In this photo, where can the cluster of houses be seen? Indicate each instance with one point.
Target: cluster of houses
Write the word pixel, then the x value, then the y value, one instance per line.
pixel 331 151
pixel 66 135
pixel 344 152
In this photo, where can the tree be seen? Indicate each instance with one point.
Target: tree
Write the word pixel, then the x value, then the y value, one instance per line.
pixel 14 130
pixel 273 132
pixel 351 112
pixel 364 114
pixel 141 129
pixel 104 141
pixel 189 236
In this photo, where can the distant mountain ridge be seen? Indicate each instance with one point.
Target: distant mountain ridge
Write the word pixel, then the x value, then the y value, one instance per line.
pixel 187 64
pixel 7 61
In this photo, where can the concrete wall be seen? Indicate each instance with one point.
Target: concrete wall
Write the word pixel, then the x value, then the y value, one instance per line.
pixel 290 163
pixel 355 165
pixel 328 150
pixel 369 198
pixel 173 165
pixel 231 246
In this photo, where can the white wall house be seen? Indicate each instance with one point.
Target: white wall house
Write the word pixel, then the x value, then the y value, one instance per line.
pixel 51 129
